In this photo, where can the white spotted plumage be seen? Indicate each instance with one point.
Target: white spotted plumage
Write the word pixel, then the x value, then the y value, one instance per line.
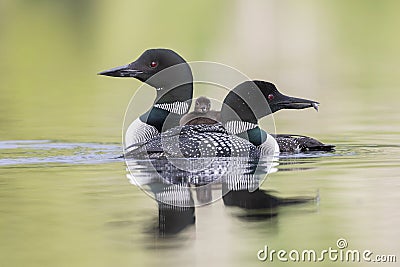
pixel 197 141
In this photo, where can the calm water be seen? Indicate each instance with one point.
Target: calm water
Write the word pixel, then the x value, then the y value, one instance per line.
pixel 66 201
pixel 70 204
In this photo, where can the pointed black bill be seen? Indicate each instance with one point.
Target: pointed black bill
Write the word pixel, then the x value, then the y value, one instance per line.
pixel 122 71
pixel 288 102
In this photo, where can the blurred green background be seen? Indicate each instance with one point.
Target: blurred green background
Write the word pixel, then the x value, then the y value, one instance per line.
pixel 343 53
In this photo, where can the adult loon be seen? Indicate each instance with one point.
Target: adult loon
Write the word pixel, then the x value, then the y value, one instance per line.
pixel 174 85
pixel 252 100
pixel 287 143
pixel 202 113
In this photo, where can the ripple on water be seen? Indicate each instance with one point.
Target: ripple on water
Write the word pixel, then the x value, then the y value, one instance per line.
pixel 29 152
pixel 22 152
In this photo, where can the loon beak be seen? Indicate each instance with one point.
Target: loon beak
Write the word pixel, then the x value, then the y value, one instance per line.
pixel 122 71
pixel 288 102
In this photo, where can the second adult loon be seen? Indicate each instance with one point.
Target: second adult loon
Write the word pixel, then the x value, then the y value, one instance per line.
pixel 241 127
pixel 250 101
pixel 174 85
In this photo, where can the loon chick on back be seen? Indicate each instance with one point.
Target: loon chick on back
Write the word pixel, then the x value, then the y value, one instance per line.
pixel 172 77
pixel 252 100
pixel 201 114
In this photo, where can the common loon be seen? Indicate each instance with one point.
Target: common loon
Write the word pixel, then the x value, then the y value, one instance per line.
pixel 238 136
pixel 286 142
pixel 202 113
pixel 252 100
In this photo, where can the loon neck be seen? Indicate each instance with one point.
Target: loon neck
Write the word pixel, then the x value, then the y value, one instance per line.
pixel 180 93
pixel 246 130
pixel 169 106
pixel 237 126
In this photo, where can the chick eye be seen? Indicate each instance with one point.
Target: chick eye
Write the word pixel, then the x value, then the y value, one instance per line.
pixel 153 64
pixel 270 96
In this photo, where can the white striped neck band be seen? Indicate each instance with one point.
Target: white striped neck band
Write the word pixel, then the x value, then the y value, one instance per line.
pixel 236 127
pixel 175 107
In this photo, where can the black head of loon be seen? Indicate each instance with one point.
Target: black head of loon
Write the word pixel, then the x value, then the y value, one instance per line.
pixel 253 100
pixel 172 77
pixel 162 69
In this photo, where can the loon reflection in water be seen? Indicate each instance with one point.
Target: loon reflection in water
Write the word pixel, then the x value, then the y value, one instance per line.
pixel 179 185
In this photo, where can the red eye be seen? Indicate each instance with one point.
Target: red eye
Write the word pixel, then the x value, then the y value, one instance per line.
pixel 270 96
pixel 153 64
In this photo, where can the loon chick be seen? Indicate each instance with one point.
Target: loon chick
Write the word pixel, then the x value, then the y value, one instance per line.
pixel 252 100
pixel 201 114
pixel 172 77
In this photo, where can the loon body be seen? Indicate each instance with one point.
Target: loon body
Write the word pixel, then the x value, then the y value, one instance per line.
pixel 194 141
pixel 157 132
pixel 291 143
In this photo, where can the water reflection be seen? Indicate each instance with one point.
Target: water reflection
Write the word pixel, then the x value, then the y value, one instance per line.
pixel 181 185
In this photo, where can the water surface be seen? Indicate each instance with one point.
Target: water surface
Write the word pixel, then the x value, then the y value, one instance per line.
pixel 71 204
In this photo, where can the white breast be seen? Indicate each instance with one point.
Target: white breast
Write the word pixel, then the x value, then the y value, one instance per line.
pixel 269 147
pixel 139 131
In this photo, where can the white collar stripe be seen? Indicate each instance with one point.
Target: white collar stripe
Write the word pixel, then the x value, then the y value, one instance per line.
pixel 175 107
pixel 235 127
